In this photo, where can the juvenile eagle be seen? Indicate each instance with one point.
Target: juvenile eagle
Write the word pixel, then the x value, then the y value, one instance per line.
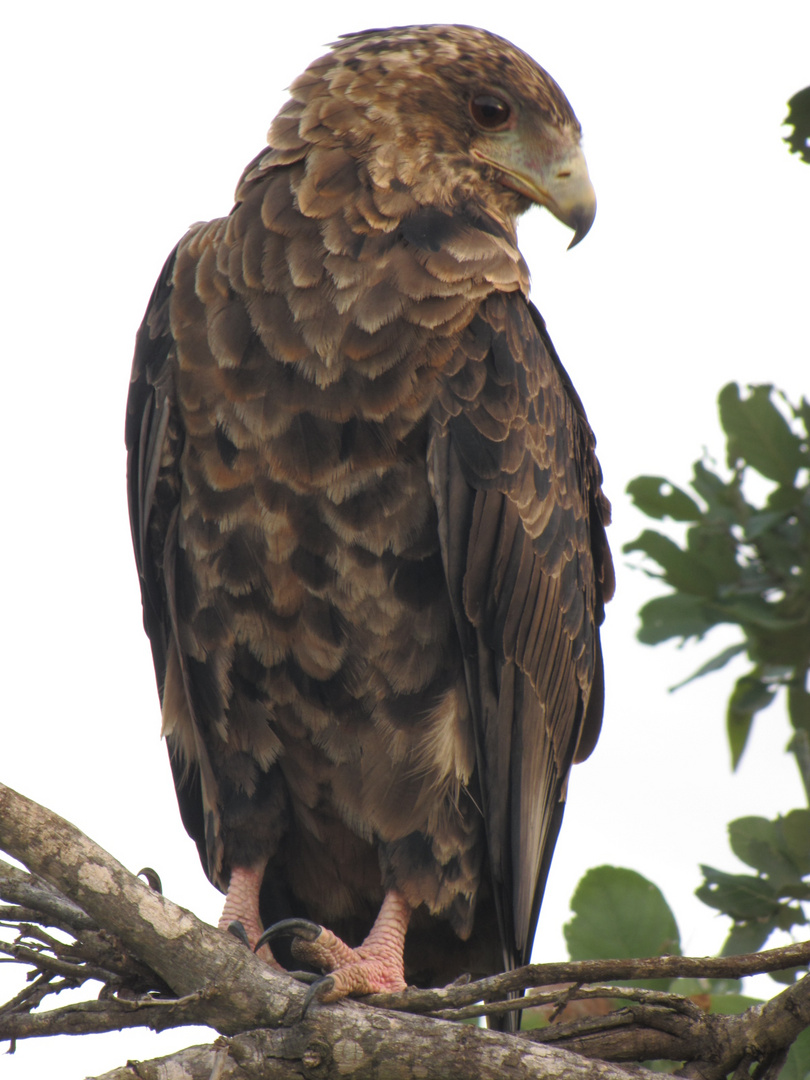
pixel 368 519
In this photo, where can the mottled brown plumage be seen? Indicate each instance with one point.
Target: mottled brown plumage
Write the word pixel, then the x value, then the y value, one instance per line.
pixel 366 508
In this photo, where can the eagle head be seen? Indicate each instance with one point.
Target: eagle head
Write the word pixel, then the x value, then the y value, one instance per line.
pixel 451 115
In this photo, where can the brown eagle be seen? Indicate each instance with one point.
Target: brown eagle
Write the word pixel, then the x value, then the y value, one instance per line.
pixel 368 519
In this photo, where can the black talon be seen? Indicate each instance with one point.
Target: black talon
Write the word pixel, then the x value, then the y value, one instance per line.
pixel 152 879
pixel 301 928
pixel 315 991
pixel 239 932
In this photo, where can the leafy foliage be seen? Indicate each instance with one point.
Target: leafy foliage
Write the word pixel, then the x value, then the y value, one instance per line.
pixel 780 853
pixel 741 563
pixel 747 563
pixel 619 913
pixel 799 118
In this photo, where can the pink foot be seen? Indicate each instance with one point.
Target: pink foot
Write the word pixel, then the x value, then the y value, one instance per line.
pixel 242 907
pixel 374 967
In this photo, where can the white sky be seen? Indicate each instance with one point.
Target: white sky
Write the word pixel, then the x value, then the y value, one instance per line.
pixel 125 123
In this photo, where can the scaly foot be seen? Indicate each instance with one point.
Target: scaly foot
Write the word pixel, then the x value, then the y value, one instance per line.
pixel 376 966
pixel 241 911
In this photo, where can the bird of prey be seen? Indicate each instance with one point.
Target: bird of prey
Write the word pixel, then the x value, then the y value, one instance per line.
pixel 368 519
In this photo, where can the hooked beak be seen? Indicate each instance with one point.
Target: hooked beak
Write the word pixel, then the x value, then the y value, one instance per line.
pixel 549 171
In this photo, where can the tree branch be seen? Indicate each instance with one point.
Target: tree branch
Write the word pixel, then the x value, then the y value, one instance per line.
pixel 162 968
pixel 396 1046
pixel 237 992
pixel 584 971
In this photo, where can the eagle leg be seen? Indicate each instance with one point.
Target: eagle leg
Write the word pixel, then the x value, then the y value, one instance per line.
pixel 242 908
pixel 374 967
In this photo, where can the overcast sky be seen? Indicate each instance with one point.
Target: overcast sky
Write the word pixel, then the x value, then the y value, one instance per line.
pixel 126 123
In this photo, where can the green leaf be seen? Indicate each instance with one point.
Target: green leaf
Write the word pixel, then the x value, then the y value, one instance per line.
pixel 619 913
pixel 802 411
pixel 790 915
pixel 795 828
pixel 531 1020
pixel 775 673
pixel 798 118
pixel 779 646
pixel 785 499
pixel 758 434
pixel 681 570
pixel 762 522
pixel 715 664
pixel 724 500
pixel 724 986
pixel 674 615
pixel 741 896
pixel 796 890
pixel 753 839
pixel 738 728
pixel 749 696
pixel 748 937
pixel 759 613
pixel 762 845
pixel 658 498
pixel 714 548
pixel 689 987
pixel 797 1066
pixel 798 702
pixel 696 987
pixel 788 976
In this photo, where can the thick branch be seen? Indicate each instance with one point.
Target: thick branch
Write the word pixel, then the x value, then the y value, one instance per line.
pixel 235 992
pixel 390 1047
pixel 762 1033
pixel 186 954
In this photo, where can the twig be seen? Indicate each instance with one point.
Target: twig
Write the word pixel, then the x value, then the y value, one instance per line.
pixel 675 1002
pixel 586 971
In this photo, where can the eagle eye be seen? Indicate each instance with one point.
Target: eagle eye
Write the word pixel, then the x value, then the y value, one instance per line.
pixel 489 112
